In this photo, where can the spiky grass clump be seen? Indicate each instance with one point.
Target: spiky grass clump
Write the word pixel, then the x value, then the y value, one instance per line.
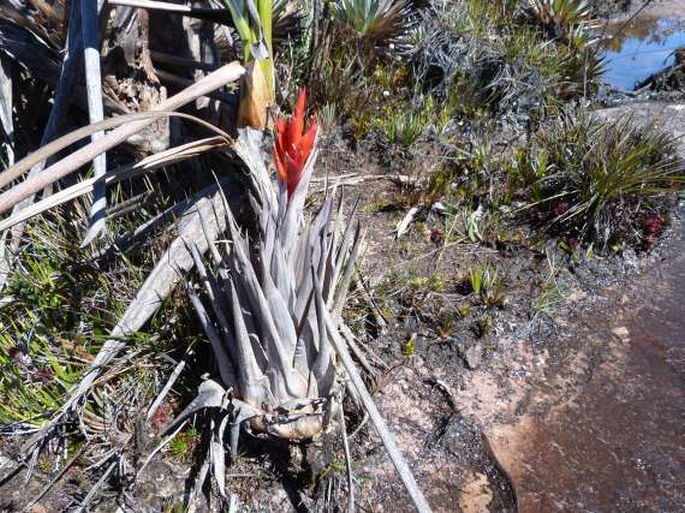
pixel 377 22
pixel 476 58
pixel 558 17
pixel 404 127
pixel 598 182
pixel 352 48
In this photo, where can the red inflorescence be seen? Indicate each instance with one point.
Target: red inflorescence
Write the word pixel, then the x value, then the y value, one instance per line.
pixel 293 144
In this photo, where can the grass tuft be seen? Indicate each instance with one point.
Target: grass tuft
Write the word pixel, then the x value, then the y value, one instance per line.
pixel 592 181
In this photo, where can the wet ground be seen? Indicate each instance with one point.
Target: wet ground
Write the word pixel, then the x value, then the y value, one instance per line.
pixel 613 439
pixel 601 429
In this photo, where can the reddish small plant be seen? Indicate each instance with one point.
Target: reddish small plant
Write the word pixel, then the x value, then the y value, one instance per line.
pixel 653 225
pixel 560 208
pixel 293 144
pixel 437 237
pixel 163 415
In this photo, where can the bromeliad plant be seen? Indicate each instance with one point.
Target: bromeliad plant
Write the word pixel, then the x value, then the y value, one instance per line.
pixel 272 311
pixel 378 21
pixel 273 300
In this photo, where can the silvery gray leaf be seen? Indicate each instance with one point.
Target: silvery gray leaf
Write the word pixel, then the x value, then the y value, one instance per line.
pixel 210 395
pixel 218 456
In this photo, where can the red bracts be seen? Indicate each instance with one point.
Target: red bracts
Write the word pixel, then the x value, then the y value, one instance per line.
pixel 293 144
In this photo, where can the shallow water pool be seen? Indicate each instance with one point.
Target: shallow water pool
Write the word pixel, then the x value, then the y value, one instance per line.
pixel 639 49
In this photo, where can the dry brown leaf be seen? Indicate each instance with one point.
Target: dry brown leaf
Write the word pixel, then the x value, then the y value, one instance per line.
pixel 254 98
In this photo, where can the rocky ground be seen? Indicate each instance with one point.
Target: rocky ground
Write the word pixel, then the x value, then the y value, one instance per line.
pixel 517 418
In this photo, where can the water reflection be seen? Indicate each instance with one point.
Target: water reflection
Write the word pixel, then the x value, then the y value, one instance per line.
pixel 643 47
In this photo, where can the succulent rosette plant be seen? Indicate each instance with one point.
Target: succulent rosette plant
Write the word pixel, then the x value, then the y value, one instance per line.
pixel 272 299
pixel 271 309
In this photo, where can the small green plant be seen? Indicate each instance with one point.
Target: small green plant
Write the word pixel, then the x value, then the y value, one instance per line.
pixel 553 292
pixel 336 467
pixel 551 297
pixel 481 156
pixel 409 346
pixel 444 325
pixel 477 277
pixel 432 283
pixel 328 117
pixel 404 128
pixel 472 225
pixel 183 445
pixel 487 284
